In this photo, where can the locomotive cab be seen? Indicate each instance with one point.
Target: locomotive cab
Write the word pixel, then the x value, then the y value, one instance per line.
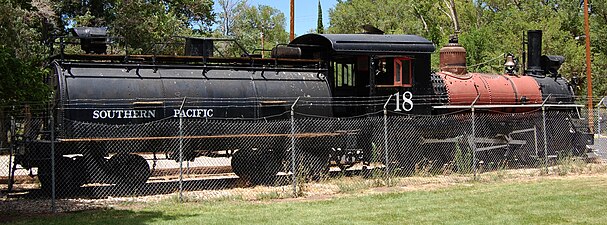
pixel 368 65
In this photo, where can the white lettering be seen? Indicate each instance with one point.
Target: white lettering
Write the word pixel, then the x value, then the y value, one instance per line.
pixel 407 103
pixel 124 114
pixel 193 113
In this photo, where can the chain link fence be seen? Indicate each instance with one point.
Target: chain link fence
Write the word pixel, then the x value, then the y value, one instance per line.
pixel 289 153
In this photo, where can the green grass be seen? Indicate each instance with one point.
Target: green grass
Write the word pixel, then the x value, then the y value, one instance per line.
pixel 554 201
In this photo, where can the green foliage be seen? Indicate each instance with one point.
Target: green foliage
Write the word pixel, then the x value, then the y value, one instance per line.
pixel 391 16
pixel 320 27
pixel 146 25
pixel 463 159
pixel 22 53
pixel 253 21
pixel 143 24
pixel 22 80
pixel 229 9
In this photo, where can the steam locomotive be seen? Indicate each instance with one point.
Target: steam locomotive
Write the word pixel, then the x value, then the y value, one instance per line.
pixel 117 91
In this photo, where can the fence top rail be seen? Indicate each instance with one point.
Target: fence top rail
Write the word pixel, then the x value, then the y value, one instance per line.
pixel 507 106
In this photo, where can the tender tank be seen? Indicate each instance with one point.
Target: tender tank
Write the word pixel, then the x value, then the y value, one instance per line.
pixel 112 94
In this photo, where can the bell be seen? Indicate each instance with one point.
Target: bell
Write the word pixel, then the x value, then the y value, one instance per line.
pixel 509 61
pixel 510 64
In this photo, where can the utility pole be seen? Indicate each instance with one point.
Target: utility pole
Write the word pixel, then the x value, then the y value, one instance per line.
pixel 292 26
pixel 588 67
pixel 262 42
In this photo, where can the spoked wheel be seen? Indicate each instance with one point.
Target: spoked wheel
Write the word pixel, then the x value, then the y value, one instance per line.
pixel 406 162
pixel 69 175
pixel 313 164
pixel 129 169
pixel 257 166
pixel 405 158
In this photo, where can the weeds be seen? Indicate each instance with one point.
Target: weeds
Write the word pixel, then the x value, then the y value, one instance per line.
pixel 272 195
pixel 353 185
pixel 463 159
pixel 572 165
pixel 194 198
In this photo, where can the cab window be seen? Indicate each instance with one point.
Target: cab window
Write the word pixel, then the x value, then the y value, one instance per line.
pixel 394 72
pixel 402 72
pixel 343 74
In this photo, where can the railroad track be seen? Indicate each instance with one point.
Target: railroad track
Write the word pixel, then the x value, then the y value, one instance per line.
pixel 157 174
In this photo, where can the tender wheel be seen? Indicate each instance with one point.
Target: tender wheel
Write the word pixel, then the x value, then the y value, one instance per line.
pixel 69 175
pixel 129 169
pixel 258 167
pixel 240 163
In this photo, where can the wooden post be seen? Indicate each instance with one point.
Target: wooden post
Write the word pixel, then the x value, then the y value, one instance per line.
pixel 292 26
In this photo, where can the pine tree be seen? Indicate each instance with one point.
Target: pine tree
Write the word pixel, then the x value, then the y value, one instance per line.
pixel 320 28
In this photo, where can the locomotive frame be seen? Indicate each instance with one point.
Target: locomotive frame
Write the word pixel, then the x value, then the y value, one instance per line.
pixel 139 89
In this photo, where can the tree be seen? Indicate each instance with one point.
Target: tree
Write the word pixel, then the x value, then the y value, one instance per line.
pixel 22 56
pixel 320 28
pixel 94 13
pixel 392 16
pixel 229 10
pixel 255 25
pixel 142 23
pixel 145 24
pixel 22 52
pixel 197 15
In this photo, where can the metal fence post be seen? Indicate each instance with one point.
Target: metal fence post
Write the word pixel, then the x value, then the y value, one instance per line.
pixel 53 178
pixel 473 146
pixel 293 156
pixel 545 133
pixel 600 118
pixel 545 139
pixel 11 172
pixel 387 161
pixel 181 151
pixel 473 142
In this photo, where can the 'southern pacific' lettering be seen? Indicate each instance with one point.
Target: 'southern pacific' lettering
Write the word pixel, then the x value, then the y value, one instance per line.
pixel 193 113
pixel 123 114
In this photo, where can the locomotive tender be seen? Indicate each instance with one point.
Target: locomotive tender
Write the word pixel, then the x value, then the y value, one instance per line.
pixel 123 90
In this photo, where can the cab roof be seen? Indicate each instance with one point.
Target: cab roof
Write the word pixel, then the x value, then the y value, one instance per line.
pixel 365 43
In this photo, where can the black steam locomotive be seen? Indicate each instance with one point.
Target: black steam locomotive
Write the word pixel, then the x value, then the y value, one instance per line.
pixel 101 89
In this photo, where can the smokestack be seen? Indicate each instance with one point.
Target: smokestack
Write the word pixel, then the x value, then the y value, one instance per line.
pixel 534 52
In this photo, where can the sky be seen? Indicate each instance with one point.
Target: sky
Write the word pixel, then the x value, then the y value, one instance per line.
pixel 306 12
